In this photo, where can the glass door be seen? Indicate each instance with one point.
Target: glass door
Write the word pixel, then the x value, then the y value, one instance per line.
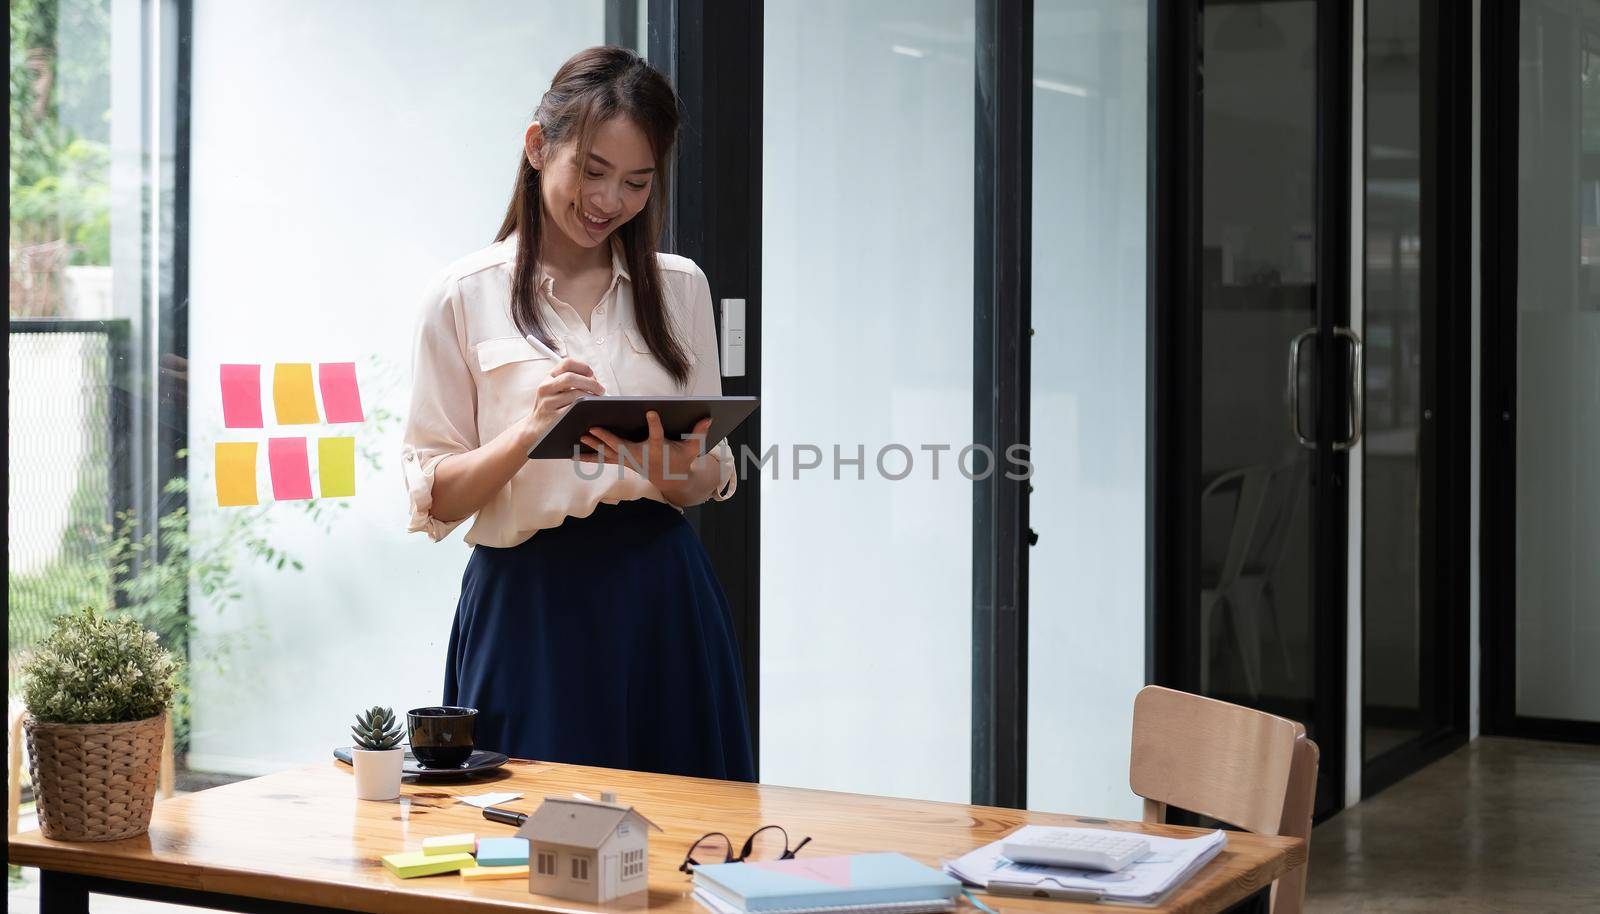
pixel 1269 606
pixel 1411 492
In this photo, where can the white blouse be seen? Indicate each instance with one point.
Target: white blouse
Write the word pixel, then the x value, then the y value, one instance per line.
pixel 475 375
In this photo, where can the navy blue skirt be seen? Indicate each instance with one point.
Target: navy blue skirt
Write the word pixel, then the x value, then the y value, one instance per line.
pixel 605 641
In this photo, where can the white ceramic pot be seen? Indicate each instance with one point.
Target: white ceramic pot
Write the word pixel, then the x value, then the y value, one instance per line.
pixel 377 772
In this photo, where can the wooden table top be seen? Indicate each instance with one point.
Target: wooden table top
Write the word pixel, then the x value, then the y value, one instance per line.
pixel 302 836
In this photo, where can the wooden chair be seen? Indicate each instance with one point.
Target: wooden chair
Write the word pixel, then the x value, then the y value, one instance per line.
pixel 1244 767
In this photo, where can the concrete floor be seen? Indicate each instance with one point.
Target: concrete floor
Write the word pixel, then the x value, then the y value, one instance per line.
pixel 1500 825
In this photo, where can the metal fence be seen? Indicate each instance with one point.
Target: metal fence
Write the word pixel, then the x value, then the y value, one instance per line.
pixel 68 469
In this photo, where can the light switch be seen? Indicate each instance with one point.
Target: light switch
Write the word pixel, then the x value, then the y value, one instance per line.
pixel 733 337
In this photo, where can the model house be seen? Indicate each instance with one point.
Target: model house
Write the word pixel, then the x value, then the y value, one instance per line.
pixel 587 851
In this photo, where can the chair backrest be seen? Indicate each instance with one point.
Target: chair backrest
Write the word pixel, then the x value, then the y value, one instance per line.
pixel 1289 893
pixel 1244 767
pixel 1279 504
pixel 1220 568
pixel 1211 757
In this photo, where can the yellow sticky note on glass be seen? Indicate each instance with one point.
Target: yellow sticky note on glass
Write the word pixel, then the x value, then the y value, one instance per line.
pixel 336 467
pixel 236 473
pixel 291 394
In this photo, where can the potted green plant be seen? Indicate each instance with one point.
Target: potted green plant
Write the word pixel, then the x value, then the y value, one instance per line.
pixel 377 756
pixel 96 691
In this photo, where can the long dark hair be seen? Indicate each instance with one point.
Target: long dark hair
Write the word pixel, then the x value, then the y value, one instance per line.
pixel 590 89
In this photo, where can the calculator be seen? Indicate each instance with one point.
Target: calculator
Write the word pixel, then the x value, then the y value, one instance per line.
pixel 1077 848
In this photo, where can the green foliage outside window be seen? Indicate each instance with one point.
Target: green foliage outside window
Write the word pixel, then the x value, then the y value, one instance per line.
pixel 60 159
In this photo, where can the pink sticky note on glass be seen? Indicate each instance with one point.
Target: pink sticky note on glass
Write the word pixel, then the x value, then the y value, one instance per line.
pixel 291 470
pixel 341 399
pixel 241 396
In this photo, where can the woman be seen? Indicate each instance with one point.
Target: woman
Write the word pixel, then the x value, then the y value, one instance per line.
pixel 590 628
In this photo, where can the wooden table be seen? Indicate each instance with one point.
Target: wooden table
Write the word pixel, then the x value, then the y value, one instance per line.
pixel 300 841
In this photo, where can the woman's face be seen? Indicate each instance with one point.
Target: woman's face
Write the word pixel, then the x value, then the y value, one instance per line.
pixel 589 200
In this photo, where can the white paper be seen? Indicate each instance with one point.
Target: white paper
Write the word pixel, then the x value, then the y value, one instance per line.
pixel 481 800
pixel 1169 862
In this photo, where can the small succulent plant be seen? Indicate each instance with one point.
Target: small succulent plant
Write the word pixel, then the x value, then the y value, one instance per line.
pixel 376 730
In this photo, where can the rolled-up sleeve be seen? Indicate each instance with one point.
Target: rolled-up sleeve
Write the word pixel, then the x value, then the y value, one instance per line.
pixel 705 379
pixel 444 404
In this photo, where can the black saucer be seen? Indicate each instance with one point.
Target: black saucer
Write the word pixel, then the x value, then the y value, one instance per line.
pixel 480 761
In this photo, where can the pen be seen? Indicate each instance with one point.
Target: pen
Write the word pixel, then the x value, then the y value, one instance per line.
pixel 508 816
pixel 538 344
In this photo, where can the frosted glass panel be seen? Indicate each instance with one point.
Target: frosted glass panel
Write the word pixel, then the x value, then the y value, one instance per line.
pixel 867 209
pixel 342 153
pixel 1086 574
pixel 1558 373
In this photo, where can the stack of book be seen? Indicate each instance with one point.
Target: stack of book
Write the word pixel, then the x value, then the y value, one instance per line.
pixel 858 884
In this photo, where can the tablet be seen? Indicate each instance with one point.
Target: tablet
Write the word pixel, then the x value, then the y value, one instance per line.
pixel 624 417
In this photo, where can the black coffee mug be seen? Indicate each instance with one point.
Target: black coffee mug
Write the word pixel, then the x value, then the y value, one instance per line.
pixel 441 737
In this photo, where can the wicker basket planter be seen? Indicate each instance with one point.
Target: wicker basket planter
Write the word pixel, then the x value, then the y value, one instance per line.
pixel 95 782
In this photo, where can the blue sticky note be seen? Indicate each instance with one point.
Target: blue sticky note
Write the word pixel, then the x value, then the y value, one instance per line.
pixel 502 851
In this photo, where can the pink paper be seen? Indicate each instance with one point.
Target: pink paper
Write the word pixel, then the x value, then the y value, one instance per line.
pixel 291 470
pixel 341 398
pixel 829 870
pixel 241 396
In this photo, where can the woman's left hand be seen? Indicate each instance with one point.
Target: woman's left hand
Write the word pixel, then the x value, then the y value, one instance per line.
pixel 665 463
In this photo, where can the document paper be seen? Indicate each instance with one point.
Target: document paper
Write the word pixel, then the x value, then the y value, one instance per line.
pixel 1169 862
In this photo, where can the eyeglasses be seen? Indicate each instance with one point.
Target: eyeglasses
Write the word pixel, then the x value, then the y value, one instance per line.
pixel 769 842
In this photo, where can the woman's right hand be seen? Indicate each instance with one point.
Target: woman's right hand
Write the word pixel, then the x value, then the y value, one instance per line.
pixel 568 381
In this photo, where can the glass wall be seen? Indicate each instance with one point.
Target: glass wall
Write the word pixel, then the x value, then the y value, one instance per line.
pixel 1558 375
pixel 90 254
pixel 1086 575
pixel 1393 631
pixel 867 244
pixel 341 155
pixel 335 157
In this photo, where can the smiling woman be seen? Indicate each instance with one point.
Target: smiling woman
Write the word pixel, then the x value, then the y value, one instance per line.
pixel 589 606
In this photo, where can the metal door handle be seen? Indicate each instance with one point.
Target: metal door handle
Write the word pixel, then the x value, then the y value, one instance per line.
pixel 1357 390
pixel 1294 387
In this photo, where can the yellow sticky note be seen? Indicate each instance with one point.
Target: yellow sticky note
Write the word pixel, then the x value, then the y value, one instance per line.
pixel 336 467
pixel 236 473
pixel 495 872
pixel 291 394
pixel 450 844
pixel 416 863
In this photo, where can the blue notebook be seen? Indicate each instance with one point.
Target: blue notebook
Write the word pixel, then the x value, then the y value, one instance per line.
pixel 822 882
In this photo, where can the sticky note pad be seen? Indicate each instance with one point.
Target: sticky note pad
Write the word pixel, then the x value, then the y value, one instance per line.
pixel 241 396
pixel 502 851
pixel 417 863
pixel 336 466
pixel 236 473
pixel 341 398
pixel 476 873
pixel 450 844
pixel 291 472
pixel 292 396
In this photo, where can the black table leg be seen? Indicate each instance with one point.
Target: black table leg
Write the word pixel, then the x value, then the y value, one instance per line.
pixel 62 893
pixel 1259 903
pixel 68 893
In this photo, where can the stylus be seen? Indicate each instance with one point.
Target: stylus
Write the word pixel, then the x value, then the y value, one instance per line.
pixel 538 344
